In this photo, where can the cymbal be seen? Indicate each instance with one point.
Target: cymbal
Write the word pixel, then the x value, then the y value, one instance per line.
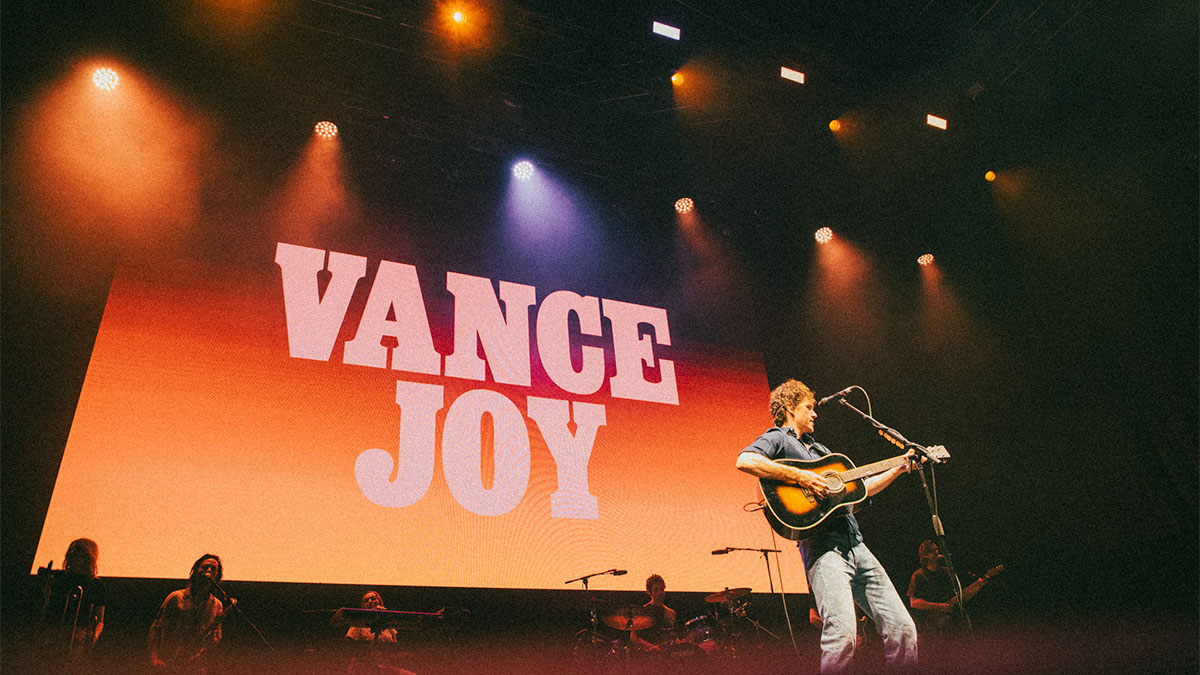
pixel 727 595
pixel 632 617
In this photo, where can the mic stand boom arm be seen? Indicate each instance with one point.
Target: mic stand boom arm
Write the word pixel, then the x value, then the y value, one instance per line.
pixel 896 438
pixel 614 571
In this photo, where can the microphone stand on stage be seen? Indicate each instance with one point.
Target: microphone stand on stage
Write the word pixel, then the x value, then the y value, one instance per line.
pixel 233 605
pixel 896 438
pixel 593 620
pixel 614 571
pixel 766 553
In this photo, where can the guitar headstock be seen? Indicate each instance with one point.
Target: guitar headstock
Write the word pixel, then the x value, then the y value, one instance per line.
pixel 993 572
pixel 938 453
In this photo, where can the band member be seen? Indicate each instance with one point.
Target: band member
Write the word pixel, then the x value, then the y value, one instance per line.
pixel 931 590
pixel 371 658
pixel 73 603
pixel 663 631
pixel 371 600
pixel 841 570
pixel 188 621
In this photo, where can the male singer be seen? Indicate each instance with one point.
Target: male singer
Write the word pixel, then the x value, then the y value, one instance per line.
pixel 841 570
pixel 186 624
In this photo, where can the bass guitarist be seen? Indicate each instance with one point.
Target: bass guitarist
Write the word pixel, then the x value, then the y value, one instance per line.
pixel 842 571
pixel 188 621
pixel 931 590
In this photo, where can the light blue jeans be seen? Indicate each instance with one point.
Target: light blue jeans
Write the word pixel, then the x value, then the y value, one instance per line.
pixel 839 581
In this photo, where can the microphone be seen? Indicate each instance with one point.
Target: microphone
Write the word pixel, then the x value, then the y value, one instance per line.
pixel 840 394
pixel 617 573
pixel 721 551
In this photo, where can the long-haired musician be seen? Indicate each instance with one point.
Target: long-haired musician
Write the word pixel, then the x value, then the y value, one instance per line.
pixel 187 623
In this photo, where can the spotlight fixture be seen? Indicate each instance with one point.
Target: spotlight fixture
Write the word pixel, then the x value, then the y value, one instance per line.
pixel 823 235
pixel 665 30
pixel 835 126
pixel 684 205
pixel 325 130
pixel 989 176
pixel 105 79
pixel 789 74
pixel 676 79
pixel 523 170
pixel 926 259
pixel 459 17
pixel 935 121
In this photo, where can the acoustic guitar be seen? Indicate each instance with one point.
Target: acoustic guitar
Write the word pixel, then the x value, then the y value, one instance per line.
pixel 794 513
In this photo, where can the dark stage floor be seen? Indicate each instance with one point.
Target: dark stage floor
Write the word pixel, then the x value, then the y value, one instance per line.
pixel 1081 646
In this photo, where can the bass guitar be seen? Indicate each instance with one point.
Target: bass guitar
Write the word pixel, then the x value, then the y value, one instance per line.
pixel 794 513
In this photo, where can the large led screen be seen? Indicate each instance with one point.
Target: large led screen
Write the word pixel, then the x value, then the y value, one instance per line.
pixel 330 416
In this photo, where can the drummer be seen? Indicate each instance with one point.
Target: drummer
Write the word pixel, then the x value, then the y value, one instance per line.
pixel 662 633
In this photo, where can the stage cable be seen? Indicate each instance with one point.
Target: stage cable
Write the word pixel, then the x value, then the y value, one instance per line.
pixel 783 594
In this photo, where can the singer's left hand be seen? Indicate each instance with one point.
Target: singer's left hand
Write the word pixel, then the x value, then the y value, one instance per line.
pixel 912 461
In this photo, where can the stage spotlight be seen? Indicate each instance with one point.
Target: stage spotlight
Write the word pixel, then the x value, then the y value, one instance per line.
pixel 989 176
pixel 523 170
pixel 325 130
pixel 677 79
pixel 835 126
pixel 665 30
pixel 684 205
pixel 935 121
pixel 789 74
pixel 926 259
pixel 459 17
pixel 105 79
pixel 824 235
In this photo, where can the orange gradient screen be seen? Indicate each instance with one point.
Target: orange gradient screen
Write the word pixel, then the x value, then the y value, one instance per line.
pixel 333 418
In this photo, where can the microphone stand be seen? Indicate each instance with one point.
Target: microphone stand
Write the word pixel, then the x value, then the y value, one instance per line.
pixel 896 438
pixel 614 571
pixel 592 619
pixel 766 554
pixel 224 597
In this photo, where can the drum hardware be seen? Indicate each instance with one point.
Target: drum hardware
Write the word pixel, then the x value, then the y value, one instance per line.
pixel 590 636
pixel 728 611
pixel 726 596
pixel 630 618
pixel 702 635
pixel 741 611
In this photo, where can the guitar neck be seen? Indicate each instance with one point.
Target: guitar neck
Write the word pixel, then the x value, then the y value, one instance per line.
pixel 872 468
pixel 970 591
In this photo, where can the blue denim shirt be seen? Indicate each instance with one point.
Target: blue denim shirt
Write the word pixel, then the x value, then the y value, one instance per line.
pixel 839 532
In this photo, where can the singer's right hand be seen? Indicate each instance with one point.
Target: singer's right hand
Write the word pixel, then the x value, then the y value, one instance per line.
pixel 812 482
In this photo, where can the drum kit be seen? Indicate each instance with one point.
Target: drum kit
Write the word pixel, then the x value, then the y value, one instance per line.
pixel 716 633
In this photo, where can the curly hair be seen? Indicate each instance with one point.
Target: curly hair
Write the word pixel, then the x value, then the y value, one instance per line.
pixel 653 579
pixel 786 396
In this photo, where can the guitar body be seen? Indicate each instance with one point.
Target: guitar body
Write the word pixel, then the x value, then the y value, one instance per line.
pixel 795 514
